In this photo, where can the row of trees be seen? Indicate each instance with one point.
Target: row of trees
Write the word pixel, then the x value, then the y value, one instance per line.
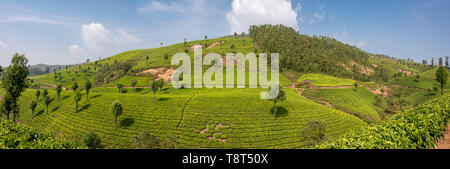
pixel 440 63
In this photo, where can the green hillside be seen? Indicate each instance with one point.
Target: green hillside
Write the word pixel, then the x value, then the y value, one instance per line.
pixel 417 128
pixel 247 119
pixel 325 80
pixel 360 102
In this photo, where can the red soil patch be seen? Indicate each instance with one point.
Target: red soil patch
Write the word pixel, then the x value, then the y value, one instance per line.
pixel 215 44
pixel 205 130
pixel 159 73
pixel 445 142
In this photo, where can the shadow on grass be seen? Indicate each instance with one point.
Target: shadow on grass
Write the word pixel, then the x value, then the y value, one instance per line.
pixel 40 112
pixel 127 122
pixel 163 99
pixel 95 96
pixel 55 109
pixel 138 89
pixel 64 98
pixel 85 107
pixel 281 111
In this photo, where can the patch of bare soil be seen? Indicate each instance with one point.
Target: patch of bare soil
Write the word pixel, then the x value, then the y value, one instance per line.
pixel 159 73
pixel 195 47
pixel 214 137
pixel 361 69
pixel 444 143
pixel 326 103
pixel 205 130
pixel 215 44
pixel 51 85
pixel 380 90
pixel 374 65
pixel 407 72
pixel 218 126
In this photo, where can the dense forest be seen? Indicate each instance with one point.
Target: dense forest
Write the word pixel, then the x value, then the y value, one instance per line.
pixel 312 54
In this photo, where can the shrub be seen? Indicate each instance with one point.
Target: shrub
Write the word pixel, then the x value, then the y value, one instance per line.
pixel 417 128
pixel 146 140
pixel 92 141
pixel 313 132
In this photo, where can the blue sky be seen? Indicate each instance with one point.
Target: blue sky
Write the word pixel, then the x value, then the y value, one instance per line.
pixel 67 31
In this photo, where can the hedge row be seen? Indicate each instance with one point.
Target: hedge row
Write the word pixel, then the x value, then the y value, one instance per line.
pixel 14 136
pixel 417 128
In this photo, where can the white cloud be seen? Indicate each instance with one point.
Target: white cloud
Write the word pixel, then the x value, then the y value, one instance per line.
pixel 156 6
pixel 29 19
pixel 2 44
pixel 245 13
pixel 361 44
pixel 97 37
pixel 74 48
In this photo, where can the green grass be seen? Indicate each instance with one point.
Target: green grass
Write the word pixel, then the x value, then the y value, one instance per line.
pixel 426 81
pixel 156 60
pixel 126 81
pixel 325 80
pixel 360 101
pixel 251 124
pixel 393 66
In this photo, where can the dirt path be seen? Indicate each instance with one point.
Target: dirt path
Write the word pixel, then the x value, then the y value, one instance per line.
pixel 181 120
pixel 52 85
pixel 445 142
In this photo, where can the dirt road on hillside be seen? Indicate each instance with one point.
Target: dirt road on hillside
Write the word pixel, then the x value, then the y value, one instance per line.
pixel 445 142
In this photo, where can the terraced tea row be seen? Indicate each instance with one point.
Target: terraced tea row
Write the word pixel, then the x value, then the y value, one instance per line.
pixel 244 119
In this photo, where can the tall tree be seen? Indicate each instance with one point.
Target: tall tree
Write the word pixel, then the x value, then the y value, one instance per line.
pixel 7 106
pixel 45 93
pixel 47 102
pixel 441 61
pixel 161 84
pixel 75 86
pixel 120 86
pixel 38 93
pixel 446 62
pixel 14 81
pixel 58 90
pixel 279 98
pixel 133 83
pixel 33 106
pixel 116 109
pixel 87 87
pixel 76 99
pixel 155 86
pixel 441 77
pixel 432 62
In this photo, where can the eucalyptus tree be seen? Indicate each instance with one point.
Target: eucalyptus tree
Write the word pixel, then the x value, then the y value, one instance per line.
pixel 120 86
pixel 155 86
pixel 87 87
pixel 32 107
pixel 441 77
pixel 279 98
pixel 76 99
pixel 14 82
pixel 117 110
pixel 58 90
pixel 47 102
